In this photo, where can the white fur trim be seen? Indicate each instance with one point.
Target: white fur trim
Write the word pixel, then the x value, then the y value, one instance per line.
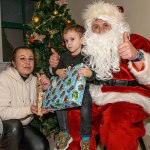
pixel 142 76
pixel 100 10
pixel 101 98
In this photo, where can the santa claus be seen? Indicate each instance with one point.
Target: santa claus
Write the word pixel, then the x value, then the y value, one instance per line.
pixel 121 65
pixel 121 90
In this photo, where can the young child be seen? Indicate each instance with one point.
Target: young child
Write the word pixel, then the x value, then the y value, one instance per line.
pixel 73 37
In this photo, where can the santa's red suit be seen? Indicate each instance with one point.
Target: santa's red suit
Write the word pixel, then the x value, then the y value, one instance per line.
pixel 119 111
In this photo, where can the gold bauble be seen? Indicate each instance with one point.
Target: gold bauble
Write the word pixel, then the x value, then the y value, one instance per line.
pixel 36 19
pixel 55 12
pixel 67 22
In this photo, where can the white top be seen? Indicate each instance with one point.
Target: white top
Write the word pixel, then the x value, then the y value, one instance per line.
pixel 16 96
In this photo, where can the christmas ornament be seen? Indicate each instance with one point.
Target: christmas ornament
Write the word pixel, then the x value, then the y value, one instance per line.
pixel 40 94
pixel 36 19
pixel 38 37
pixel 38 5
pixel 55 12
pixel 67 22
pixel 30 39
pixel 52 32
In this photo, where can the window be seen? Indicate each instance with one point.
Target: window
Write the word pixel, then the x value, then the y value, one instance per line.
pixel 15 15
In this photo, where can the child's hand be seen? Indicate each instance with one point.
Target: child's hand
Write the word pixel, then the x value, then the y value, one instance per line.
pixel 61 73
pixel 85 71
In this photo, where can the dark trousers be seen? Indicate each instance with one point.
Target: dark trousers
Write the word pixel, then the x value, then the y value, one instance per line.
pixel 18 137
pixel 85 112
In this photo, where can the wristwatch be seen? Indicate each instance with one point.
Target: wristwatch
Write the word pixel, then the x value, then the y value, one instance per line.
pixel 139 57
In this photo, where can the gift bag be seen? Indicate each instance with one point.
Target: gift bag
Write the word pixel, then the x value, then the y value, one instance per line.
pixel 65 93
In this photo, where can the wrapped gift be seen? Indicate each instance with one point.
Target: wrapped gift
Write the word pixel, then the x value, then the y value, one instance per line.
pixel 65 93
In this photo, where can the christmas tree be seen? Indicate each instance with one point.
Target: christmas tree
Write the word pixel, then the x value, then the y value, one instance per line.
pixel 50 17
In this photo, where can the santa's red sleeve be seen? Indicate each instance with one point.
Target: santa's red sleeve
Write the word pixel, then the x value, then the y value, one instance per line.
pixel 143 76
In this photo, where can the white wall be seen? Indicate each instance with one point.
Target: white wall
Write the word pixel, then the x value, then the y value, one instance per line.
pixel 76 7
pixel 137 13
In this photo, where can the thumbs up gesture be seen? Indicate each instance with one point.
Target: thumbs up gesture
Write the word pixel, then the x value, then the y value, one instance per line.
pixel 126 50
pixel 54 59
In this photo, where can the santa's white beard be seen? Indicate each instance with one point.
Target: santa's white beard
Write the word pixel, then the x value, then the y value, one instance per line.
pixel 102 52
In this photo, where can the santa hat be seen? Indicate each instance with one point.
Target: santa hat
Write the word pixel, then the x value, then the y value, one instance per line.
pixel 101 10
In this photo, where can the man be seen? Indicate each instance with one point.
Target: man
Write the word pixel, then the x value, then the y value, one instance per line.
pixel 121 63
pixel 121 67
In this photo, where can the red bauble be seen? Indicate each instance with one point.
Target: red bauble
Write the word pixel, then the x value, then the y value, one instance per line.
pixel 31 39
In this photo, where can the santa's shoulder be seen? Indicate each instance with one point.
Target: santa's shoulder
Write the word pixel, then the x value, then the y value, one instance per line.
pixel 140 42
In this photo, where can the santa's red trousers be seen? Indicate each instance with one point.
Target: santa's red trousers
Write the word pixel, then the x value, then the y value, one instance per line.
pixel 119 124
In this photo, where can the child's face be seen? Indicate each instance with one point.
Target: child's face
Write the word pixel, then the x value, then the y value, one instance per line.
pixel 73 42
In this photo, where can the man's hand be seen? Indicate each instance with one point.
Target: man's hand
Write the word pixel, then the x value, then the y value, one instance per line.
pixel 126 50
pixel 54 59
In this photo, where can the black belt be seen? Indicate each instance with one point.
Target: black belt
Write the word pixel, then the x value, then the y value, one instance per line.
pixel 117 83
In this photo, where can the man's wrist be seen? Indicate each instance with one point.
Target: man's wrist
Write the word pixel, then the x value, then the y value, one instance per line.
pixel 140 56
